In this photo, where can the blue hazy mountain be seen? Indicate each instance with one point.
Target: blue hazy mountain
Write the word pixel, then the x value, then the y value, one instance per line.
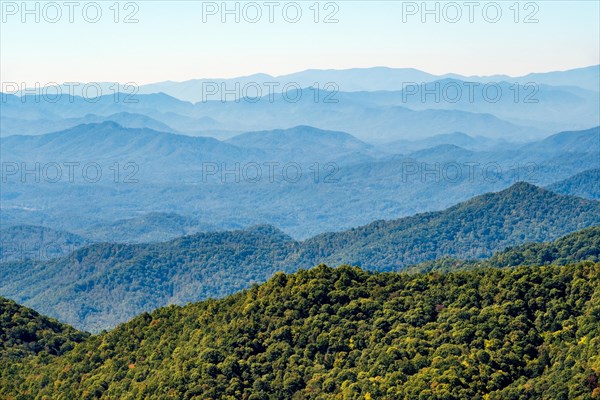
pixel 126 120
pixel 371 104
pixel 455 138
pixel 21 242
pixel 362 119
pixel 442 153
pixel 584 141
pixel 160 155
pixel 585 77
pixel 348 80
pixel 175 157
pixel 147 228
pixel 372 79
pixel 18 243
pixel 13 126
pixel 306 143
pixel 538 105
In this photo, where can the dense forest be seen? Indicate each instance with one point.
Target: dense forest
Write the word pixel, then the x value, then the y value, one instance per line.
pixel 583 245
pixel 24 332
pixel 99 286
pixel 344 333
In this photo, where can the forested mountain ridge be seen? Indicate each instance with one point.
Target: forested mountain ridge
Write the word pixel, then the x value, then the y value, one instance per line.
pixel 582 245
pixel 344 333
pixel 99 286
pixel 473 229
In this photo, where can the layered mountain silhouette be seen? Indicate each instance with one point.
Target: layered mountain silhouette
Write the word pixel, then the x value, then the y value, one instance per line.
pixel 100 285
pixel 304 180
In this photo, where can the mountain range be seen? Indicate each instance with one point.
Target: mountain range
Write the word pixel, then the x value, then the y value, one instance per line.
pixel 372 79
pixel 304 180
pixel 98 286
pixel 361 118
pixel 374 104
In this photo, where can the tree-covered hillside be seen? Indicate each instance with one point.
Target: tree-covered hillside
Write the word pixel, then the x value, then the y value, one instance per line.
pixel 343 333
pixel 473 229
pixel 99 286
pixel 24 332
pixel 583 245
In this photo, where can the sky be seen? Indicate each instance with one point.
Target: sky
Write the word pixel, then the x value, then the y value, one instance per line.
pixel 153 41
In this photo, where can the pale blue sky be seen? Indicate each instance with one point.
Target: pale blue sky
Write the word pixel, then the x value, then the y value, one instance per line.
pixel 171 41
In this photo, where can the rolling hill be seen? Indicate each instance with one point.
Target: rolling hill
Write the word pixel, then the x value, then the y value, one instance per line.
pixel 15 126
pixel 456 138
pixel 571 141
pixel 305 143
pixel 157 155
pixel 21 242
pixel 146 228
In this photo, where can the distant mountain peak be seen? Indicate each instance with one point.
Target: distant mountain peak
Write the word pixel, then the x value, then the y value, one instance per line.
pixel 109 124
pixel 266 229
pixel 523 186
pixel 521 191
